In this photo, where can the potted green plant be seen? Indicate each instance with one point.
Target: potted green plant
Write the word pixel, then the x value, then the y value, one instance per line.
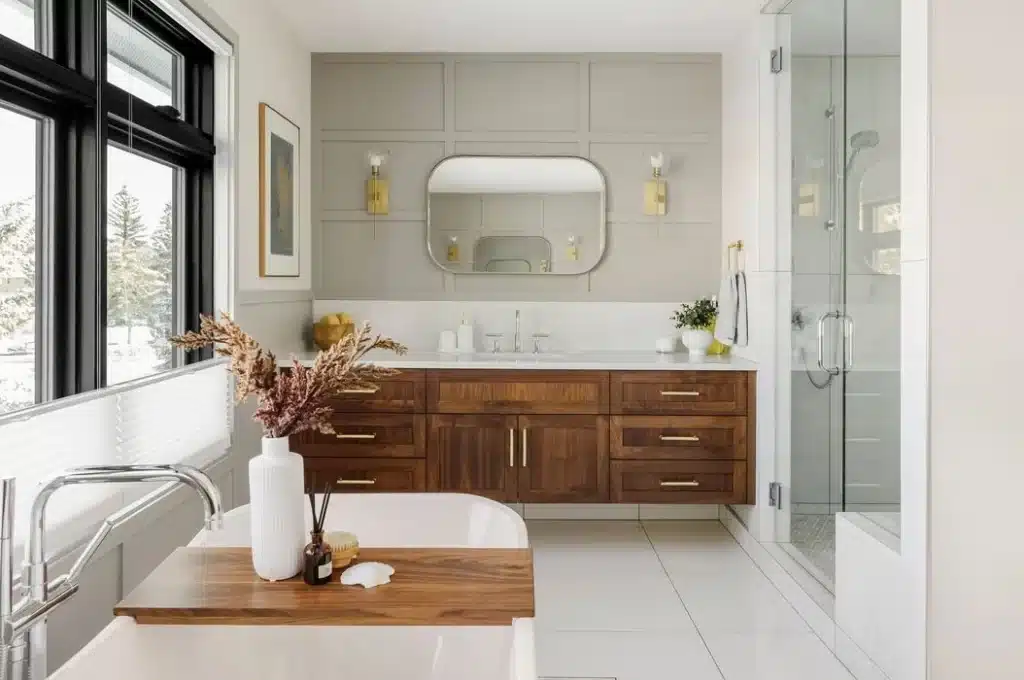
pixel 695 322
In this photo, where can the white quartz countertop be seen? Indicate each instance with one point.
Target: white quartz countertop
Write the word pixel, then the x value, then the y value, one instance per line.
pixel 593 361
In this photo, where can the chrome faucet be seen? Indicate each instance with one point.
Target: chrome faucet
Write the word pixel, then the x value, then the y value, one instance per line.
pixel 518 345
pixel 19 659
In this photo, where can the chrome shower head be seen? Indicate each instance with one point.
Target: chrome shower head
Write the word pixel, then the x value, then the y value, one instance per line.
pixel 865 139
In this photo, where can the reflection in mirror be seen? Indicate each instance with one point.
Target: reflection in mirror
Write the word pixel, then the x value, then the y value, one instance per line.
pixel 516 215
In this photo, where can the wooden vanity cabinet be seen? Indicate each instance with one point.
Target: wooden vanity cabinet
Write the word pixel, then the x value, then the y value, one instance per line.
pixel 563 459
pixel 475 454
pixel 545 436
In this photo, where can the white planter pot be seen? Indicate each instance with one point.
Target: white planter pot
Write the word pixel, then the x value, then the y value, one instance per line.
pixel 277 508
pixel 697 341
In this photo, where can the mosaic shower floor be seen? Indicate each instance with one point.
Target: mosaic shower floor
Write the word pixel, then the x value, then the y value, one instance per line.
pixel 814 536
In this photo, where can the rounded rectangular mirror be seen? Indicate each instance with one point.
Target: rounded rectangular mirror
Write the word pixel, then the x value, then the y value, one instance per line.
pixel 516 215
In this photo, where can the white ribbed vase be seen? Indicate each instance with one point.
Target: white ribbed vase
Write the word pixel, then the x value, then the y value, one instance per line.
pixel 276 511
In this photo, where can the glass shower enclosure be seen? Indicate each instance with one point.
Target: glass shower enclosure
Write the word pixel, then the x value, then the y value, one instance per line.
pixel 843 124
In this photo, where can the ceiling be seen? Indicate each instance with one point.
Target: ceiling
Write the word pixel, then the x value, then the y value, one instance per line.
pixel 518 25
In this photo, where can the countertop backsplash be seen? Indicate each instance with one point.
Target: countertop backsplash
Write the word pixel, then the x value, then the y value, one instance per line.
pixel 577 326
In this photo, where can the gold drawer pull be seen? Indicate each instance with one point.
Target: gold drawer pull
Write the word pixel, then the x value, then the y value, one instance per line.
pixel 671 393
pixel 362 390
pixel 679 438
pixel 676 484
pixel 523 440
pixel 511 447
pixel 372 435
pixel 356 482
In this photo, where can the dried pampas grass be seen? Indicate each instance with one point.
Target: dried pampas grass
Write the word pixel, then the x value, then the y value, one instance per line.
pixel 296 399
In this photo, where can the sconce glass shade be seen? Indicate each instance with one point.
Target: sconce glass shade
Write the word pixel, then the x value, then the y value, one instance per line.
pixel 376 159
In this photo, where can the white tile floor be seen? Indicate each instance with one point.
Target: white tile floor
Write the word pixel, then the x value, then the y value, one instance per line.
pixel 659 600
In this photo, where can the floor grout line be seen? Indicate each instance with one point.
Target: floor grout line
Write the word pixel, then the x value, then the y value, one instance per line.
pixel 681 602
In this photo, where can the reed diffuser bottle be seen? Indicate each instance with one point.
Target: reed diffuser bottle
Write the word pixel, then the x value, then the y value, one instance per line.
pixel 317 560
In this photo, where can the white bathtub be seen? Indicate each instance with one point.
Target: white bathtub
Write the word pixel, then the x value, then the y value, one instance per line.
pixel 441 520
pixel 125 650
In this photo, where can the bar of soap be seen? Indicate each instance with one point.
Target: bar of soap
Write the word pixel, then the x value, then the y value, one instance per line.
pixel 367 574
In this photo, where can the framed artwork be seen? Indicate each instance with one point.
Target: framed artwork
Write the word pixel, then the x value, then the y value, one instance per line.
pixel 279 194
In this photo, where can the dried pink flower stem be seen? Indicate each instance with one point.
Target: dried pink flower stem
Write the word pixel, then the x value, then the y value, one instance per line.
pixel 296 399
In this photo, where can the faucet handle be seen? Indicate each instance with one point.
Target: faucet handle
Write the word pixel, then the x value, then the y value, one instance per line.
pixel 538 339
pixel 494 340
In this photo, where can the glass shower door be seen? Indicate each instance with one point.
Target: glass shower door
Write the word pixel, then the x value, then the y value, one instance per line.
pixel 818 131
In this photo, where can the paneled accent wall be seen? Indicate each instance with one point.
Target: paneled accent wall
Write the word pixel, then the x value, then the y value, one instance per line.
pixel 617 110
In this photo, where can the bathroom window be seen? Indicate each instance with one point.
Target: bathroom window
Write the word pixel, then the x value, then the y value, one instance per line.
pixel 142 231
pixel 113 216
pixel 881 221
pixel 20 209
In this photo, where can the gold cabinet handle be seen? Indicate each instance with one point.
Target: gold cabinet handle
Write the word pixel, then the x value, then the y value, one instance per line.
pixel 511 447
pixel 677 484
pixel 672 393
pixel 356 482
pixel 522 445
pixel 361 390
pixel 371 435
pixel 679 438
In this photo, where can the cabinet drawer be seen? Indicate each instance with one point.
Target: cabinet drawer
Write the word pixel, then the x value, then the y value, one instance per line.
pixel 515 392
pixel 403 393
pixel 684 392
pixel 651 481
pixel 679 437
pixel 366 436
pixel 367 475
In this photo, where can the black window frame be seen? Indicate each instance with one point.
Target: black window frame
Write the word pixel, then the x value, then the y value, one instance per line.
pixel 69 87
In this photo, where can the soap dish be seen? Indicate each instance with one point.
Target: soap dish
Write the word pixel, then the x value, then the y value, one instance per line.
pixel 344 548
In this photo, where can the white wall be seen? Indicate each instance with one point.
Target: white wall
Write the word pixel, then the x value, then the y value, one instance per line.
pixel 273 67
pixel 748 214
pixel 976 585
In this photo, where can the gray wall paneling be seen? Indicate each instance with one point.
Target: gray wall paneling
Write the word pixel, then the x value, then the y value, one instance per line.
pixel 616 110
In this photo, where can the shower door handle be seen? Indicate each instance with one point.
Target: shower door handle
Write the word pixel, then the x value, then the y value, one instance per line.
pixel 821 343
pixel 848 326
pixel 833 171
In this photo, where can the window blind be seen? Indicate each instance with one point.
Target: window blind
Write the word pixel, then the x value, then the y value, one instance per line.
pixel 181 416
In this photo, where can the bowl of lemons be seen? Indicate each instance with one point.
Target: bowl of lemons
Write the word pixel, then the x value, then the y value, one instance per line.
pixel 332 329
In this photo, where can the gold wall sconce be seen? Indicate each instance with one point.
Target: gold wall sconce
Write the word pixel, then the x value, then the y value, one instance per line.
pixel 376 185
pixel 572 251
pixel 655 189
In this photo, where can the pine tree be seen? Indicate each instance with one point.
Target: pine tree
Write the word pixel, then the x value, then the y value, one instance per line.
pixel 162 303
pixel 130 281
pixel 17 265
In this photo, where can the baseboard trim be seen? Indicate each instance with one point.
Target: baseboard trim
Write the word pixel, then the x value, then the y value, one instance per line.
pixel 819 619
pixel 615 511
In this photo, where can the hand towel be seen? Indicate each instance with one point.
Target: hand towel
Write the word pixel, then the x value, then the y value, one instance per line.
pixel 725 326
pixel 742 331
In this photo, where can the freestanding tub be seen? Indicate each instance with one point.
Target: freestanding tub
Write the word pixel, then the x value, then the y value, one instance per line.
pixel 125 650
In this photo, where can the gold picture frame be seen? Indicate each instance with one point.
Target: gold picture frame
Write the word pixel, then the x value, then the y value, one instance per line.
pixel 279 158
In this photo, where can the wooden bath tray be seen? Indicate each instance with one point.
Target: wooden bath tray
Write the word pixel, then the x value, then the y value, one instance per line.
pixel 430 587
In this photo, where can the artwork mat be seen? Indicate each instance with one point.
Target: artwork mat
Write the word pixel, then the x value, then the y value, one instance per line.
pixel 271 122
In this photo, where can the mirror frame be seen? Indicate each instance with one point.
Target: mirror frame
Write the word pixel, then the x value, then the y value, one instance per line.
pixel 603 225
